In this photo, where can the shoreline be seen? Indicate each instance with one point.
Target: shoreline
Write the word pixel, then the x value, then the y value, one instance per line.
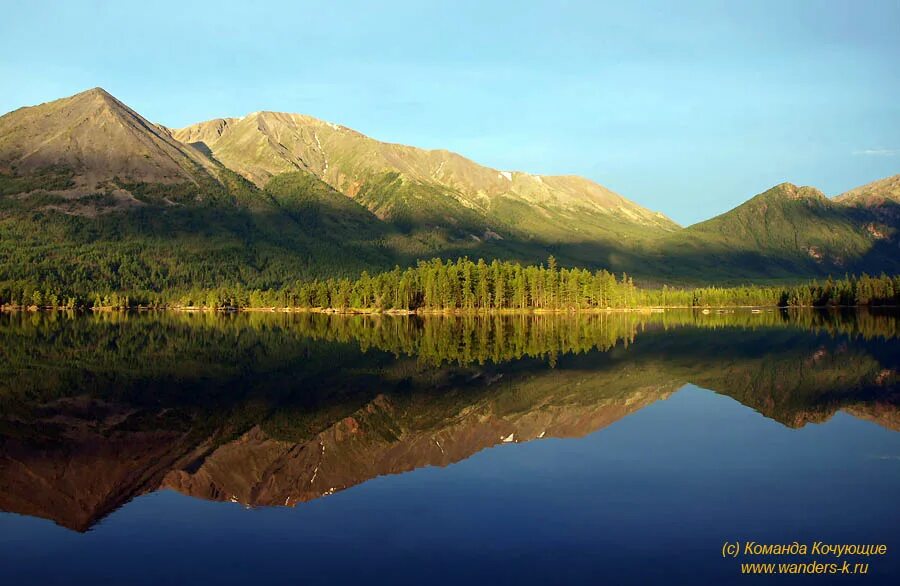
pixel 706 310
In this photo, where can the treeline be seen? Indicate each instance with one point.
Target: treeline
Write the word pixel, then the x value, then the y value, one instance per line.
pixel 467 285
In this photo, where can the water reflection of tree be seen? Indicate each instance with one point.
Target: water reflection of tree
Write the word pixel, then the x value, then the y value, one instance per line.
pixel 392 393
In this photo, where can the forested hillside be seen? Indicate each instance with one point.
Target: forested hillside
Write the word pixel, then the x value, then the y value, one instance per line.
pixel 790 231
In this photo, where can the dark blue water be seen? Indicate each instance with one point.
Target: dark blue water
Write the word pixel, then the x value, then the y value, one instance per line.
pixel 648 497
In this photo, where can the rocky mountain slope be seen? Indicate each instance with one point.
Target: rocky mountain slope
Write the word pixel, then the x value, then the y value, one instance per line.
pixel 91 192
pixel 97 143
pixel 414 186
pixel 883 192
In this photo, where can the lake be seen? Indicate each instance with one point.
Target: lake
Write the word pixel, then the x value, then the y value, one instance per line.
pixel 168 448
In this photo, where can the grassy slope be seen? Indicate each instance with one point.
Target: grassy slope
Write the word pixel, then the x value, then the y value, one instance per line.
pixel 785 233
pixel 418 188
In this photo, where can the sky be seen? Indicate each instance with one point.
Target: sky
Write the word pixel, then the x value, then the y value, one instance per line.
pixel 688 108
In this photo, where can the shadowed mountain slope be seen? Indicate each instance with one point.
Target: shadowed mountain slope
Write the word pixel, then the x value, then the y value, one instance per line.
pixel 792 232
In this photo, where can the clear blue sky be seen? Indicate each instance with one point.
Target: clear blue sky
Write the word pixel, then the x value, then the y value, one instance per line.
pixel 687 108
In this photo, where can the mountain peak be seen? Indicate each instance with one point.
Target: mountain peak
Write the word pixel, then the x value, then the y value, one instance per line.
pixel 97 138
pixel 786 186
pixel 95 95
pixel 790 191
pixel 95 91
pixel 800 191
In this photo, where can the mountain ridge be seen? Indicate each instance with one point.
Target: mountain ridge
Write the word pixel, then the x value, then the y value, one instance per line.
pixel 264 144
pixel 316 198
pixel 877 192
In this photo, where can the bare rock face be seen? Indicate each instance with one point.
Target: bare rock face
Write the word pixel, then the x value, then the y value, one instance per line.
pixel 98 138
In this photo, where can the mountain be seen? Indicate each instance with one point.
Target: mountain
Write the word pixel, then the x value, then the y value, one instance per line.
pixel 95 198
pixel 91 142
pixel 790 232
pixel 413 187
pixel 876 206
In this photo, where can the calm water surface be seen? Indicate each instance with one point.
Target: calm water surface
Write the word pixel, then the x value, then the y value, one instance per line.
pixel 312 449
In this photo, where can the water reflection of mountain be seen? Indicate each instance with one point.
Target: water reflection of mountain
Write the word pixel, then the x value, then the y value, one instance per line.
pixel 277 410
